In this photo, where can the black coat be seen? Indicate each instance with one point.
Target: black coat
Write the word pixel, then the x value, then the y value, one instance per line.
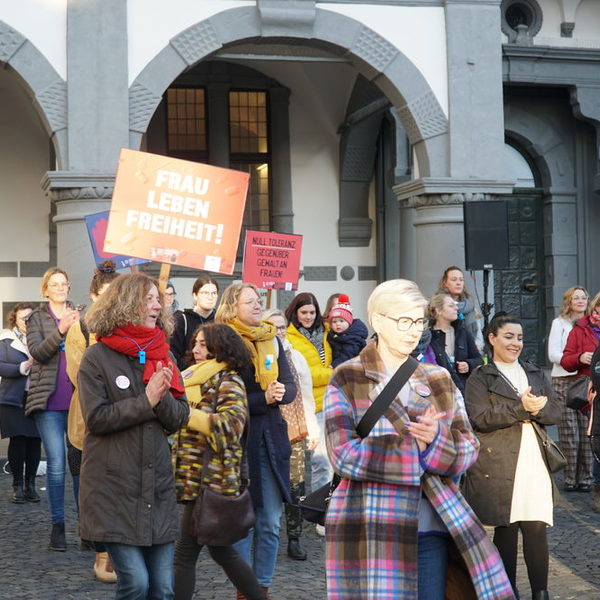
pixel 186 323
pixel 12 385
pixel 349 343
pixel 127 490
pixel 497 414
pixel 464 350
pixel 268 426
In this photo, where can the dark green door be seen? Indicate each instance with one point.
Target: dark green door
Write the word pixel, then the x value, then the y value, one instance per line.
pixel 519 290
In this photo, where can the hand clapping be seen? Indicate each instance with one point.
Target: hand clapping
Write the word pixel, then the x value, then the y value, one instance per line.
pixel 426 427
pixel 532 403
pixel 159 383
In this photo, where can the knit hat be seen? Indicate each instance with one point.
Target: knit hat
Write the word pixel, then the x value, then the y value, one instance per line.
pixel 341 310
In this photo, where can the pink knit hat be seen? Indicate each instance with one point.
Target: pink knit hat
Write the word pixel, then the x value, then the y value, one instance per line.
pixel 341 310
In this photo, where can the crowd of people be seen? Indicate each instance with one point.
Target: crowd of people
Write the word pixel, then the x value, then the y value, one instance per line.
pixel 225 403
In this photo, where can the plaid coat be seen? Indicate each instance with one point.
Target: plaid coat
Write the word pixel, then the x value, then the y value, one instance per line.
pixel 371 526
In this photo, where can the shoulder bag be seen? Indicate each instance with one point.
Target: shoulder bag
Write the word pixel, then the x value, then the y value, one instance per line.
pixel 577 393
pixel 555 459
pixel 219 520
pixel 314 505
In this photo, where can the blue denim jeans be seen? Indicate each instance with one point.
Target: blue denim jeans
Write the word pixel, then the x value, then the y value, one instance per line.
pixel 143 572
pixel 52 426
pixel 432 561
pixel 263 538
pixel 320 469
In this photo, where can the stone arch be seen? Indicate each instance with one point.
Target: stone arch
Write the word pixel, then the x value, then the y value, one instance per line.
pixel 41 81
pixel 373 56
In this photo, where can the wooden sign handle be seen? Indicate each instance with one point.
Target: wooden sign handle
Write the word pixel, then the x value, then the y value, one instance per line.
pixel 163 278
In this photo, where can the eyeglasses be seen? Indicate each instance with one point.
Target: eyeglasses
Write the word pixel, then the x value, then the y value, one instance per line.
pixel 209 293
pixel 405 323
pixel 281 327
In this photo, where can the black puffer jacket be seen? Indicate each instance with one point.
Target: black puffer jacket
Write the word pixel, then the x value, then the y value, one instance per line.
pixel 43 341
pixel 349 343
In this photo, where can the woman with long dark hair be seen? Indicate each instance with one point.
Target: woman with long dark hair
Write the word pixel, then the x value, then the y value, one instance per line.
pixel 219 404
pixel 307 332
pixel 510 486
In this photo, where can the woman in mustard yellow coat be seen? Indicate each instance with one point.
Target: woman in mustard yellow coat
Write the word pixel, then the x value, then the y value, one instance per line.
pixel 307 332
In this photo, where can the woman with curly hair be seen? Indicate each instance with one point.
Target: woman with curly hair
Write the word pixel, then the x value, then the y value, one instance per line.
pixel 132 398
pixel 219 404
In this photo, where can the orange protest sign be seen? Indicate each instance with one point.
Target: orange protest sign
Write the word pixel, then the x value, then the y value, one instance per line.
pixel 176 211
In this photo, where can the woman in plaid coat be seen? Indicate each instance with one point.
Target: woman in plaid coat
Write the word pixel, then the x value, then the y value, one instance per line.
pixel 397 524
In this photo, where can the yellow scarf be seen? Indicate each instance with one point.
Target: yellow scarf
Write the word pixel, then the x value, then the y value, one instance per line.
pixel 196 375
pixel 260 343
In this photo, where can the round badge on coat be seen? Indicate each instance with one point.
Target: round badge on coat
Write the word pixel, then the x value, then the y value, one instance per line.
pixel 422 390
pixel 122 382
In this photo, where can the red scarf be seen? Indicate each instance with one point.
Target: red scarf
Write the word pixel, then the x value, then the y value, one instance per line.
pixel 135 340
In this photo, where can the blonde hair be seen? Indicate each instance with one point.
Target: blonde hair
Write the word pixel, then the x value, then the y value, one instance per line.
pixel 565 309
pixel 46 279
pixel 437 303
pixel 388 295
pixel 274 312
pixel 593 303
pixel 228 307
pixel 124 303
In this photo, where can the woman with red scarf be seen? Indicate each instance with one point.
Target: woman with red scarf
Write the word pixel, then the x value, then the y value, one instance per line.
pixel 132 398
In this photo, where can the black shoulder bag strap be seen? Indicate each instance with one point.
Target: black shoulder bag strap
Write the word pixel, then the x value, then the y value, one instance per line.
pixel 389 392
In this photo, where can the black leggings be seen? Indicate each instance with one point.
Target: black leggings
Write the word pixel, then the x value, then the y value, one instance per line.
pixel 24 452
pixel 535 552
pixel 187 550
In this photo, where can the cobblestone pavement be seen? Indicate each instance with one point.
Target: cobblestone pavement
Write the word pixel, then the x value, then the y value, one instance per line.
pixel 29 571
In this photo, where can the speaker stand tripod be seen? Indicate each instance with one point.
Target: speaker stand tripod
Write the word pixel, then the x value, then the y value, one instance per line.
pixel 486 307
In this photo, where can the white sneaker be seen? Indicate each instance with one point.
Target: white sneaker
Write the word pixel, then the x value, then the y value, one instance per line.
pixel 320 529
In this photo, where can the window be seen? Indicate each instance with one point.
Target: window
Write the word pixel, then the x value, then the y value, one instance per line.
pixel 249 152
pixel 186 123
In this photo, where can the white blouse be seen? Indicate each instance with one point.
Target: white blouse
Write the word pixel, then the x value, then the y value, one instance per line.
pixel 557 340
pixel 532 489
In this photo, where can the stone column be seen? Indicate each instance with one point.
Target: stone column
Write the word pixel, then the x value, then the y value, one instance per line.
pixel 97 128
pixel 435 208
pixel 77 195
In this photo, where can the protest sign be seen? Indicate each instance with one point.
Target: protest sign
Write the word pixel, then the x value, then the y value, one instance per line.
pixel 96 226
pixel 272 260
pixel 177 212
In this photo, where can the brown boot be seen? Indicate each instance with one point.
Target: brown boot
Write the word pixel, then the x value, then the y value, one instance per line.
pixel 103 569
pixel 239 595
pixel 596 498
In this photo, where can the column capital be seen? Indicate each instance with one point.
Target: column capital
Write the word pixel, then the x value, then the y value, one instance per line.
pixel 72 185
pixel 446 191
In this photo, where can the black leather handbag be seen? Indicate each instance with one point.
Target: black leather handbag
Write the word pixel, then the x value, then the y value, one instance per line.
pixel 314 505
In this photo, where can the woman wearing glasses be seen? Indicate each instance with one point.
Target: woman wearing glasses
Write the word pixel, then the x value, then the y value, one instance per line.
pixel 50 390
pixel 397 516
pixel 269 383
pixel 205 293
pixel 572 427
